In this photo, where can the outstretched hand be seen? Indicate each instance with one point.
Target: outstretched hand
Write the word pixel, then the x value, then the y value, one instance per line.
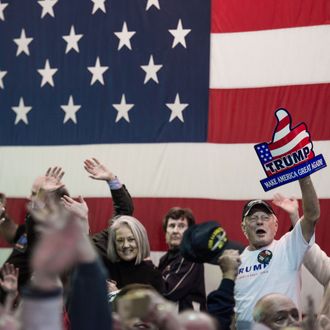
pixel 10 278
pixel 229 263
pixel 78 208
pixel 53 179
pixel 63 241
pixel 97 170
pixel 57 248
pixel 111 286
pixel 289 205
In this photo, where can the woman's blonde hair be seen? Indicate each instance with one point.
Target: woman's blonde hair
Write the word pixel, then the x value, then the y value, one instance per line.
pixel 139 233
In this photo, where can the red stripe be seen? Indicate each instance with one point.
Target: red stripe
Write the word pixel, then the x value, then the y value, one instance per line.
pixel 247 115
pixel 283 123
pixel 301 145
pixel 288 138
pixel 253 15
pixel 298 146
pixel 151 210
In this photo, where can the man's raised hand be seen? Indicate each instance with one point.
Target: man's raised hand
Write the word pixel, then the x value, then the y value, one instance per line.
pixel 53 179
pixel 289 205
pixel 78 208
pixel 10 278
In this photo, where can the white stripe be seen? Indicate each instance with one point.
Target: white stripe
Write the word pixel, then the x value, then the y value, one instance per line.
pixel 217 171
pixel 283 132
pixel 289 146
pixel 281 114
pixel 278 57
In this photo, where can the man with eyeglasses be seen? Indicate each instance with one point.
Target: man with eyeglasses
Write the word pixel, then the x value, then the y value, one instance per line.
pixel 269 265
pixel 276 311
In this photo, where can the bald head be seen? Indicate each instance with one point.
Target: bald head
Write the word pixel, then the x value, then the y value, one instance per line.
pixel 276 311
pixel 192 320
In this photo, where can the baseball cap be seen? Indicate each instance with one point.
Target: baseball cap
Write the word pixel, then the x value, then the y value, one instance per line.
pixel 206 242
pixel 256 203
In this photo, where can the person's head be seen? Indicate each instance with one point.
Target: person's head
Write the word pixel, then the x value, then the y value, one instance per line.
pixel 193 320
pixel 175 223
pixel 276 311
pixel 134 303
pixel 259 224
pixel 128 240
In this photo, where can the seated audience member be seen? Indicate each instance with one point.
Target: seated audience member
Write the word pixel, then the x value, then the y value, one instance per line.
pixel 128 249
pixel 192 320
pixel 270 265
pixel 276 311
pixel 184 280
pixel 24 236
pixel 126 252
pixel 140 307
pixel 315 260
pixel 124 245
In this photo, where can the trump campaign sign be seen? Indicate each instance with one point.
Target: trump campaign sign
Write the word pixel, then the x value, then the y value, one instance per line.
pixel 290 155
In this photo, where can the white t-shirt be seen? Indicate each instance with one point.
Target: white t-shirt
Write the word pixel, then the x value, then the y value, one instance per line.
pixel 257 277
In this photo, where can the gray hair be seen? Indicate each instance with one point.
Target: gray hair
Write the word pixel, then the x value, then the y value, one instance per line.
pixel 139 233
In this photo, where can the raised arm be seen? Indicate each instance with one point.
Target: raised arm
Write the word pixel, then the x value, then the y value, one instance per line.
pixel 63 244
pixel 122 201
pixel 221 302
pixel 311 207
pixel 97 170
pixel 79 208
pixel 289 205
pixel 52 179
pixel 315 260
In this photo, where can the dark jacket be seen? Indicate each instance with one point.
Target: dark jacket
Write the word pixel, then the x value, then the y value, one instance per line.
pixel 122 205
pixel 126 272
pixel 89 308
pixel 184 280
pixel 221 303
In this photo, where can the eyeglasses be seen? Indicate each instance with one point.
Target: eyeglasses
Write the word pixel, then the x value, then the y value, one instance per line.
pixel 254 218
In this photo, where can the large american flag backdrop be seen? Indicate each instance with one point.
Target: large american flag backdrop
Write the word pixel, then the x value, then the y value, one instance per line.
pixel 170 94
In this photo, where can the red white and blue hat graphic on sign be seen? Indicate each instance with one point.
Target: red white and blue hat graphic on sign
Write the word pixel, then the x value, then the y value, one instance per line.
pixel 290 155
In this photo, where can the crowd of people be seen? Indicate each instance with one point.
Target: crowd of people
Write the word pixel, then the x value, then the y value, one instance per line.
pixel 61 276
